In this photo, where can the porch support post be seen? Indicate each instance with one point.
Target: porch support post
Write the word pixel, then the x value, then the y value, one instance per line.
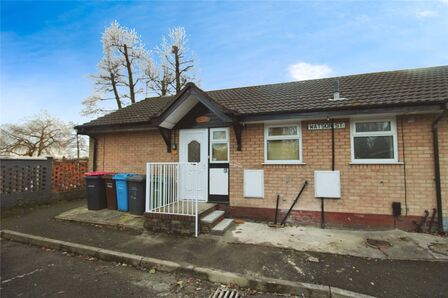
pixel 237 128
pixel 166 135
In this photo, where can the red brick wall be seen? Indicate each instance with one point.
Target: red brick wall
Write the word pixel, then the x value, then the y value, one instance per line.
pixel 366 189
pixel 130 151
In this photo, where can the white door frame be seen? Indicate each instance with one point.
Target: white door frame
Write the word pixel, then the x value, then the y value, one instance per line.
pixel 201 136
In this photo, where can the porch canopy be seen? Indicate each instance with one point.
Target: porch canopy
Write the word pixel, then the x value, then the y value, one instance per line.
pixel 184 104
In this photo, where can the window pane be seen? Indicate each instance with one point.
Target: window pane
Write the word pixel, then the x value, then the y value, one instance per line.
pixel 219 135
pixel 283 150
pixel 374 147
pixel 283 131
pixel 373 126
pixel 194 152
pixel 219 152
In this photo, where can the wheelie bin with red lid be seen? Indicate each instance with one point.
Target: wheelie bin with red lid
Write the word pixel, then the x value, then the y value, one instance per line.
pixel 96 195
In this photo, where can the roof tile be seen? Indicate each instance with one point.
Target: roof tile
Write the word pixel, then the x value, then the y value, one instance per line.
pixel 424 85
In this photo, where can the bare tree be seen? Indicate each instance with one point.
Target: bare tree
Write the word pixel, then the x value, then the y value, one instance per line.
pixel 107 81
pixel 126 46
pixel 109 78
pixel 41 135
pixel 119 71
pixel 126 65
pixel 78 148
pixel 91 106
pixel 178 57
pixel 158 78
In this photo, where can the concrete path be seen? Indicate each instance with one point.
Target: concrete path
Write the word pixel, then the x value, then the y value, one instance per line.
pixel 376 277
pixel 392 244
pixel 398 245
pixel 105 217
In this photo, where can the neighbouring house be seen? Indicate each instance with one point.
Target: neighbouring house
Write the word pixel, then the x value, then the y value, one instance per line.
pixel 384 134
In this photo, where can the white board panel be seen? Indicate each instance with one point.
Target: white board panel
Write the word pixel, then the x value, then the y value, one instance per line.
pixel 219 181
pixel 327 184
pixel 254 183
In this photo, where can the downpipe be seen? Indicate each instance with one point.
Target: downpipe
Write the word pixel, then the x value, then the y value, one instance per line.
pixel 435 139
pixel 95 144
pixel 333 161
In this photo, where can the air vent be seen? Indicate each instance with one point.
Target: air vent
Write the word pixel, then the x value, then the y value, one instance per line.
pixel 337 94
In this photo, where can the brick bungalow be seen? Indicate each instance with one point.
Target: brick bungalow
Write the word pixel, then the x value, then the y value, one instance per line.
pixel 386 133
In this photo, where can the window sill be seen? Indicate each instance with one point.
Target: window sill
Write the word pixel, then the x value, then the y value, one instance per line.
pixel 282 163
pixel 376 163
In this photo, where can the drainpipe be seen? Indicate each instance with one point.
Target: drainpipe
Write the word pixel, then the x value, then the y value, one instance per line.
pixel 95 142
pixel 322 204
pixel 435 139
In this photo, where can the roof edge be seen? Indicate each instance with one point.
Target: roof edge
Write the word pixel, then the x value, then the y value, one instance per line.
pixel 431 107
pixel 354 108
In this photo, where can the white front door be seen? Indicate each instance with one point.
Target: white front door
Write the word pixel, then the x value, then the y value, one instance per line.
pixel 193 147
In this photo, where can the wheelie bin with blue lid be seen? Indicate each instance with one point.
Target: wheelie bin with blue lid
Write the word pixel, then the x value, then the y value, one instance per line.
pixel 121 188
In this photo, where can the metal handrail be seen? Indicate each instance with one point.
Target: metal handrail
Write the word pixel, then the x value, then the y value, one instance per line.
pixel 164 192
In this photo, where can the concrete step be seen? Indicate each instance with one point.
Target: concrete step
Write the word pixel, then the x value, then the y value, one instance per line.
pixel 206 209
pixel 222 226
pixel 211 220
pixel 212 217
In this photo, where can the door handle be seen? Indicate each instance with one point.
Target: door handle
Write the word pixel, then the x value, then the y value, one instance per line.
pixel 225 170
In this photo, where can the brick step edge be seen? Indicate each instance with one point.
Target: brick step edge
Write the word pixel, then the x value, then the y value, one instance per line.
pixel 207 228
pixel 263 284
pixel 207 212
pixel 226 223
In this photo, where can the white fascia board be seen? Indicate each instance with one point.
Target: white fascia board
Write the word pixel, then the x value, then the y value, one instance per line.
pixel 179 112
pixel 349 115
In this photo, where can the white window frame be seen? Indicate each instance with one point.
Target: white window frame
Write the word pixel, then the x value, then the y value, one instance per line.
pixel 226 140
pixel 289 137
pixel 392 132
